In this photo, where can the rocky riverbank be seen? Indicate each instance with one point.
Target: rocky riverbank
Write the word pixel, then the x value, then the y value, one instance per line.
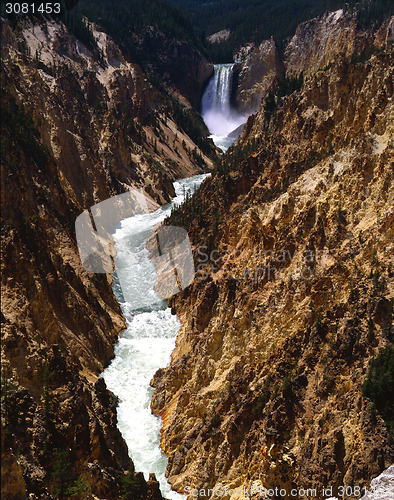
pixel 78 126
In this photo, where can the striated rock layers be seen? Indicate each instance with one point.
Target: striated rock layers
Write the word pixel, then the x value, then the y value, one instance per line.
pixel 294 296
pixel 77 128
pixel 315 45
pixel 253 76
pixel 320 41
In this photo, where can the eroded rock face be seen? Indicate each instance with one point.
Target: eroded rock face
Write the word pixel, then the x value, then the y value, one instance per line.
pixel 13 484
pixel 254 75
pixel 315 45
pixel 130 141
pixel 88 129
pixel 279 327
pixel 322 41
pixel 219 36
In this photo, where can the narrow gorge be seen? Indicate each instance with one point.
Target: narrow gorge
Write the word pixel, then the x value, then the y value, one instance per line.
pixel 149 340
pixel 76 130
pixel 270 374
pixel 295 292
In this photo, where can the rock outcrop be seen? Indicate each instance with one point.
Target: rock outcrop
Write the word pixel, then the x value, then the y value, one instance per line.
pixel 71 91
pixel 77 128
pixel 219 36
pixel 382 487
pixel 253 76
pixel 294 296
pixel 316 44
pixel 320 41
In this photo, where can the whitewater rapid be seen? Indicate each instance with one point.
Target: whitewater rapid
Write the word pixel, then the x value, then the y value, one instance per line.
pixel 216 109
pixel 148 341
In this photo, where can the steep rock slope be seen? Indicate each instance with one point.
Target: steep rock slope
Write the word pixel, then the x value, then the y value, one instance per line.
pixel 294 297
pixel 316 44
pixel 160 38
pixel 77 128
pixel 254 75
pixel 72 92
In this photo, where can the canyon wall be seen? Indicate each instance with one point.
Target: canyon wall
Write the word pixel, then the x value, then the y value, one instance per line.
pixel 254 74
pixel 316 44
pixel 79 125
pixel 295 293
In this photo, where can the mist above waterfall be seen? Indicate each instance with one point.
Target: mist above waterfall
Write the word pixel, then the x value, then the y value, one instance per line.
pixel 216 109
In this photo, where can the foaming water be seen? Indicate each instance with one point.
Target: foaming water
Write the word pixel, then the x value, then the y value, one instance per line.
pixel 216 109
pixel 148 341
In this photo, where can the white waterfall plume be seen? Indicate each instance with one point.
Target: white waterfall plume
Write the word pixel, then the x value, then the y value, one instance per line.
pixel 216 110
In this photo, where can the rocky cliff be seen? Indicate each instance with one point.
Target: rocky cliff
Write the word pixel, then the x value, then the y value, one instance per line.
pixel 294 296
pixel 78 125
pixel 253 76
pixel 316 44
pixel 320 41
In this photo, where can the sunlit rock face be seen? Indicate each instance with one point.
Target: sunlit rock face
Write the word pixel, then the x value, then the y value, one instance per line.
pixel 84 134
pixel 315 45
pixel 321 41
pixel 254 75
pixel 279 328
pixel 382 487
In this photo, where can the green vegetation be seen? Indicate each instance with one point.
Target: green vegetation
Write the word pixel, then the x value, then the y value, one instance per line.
pixel 282 88
pixel 61 473
pixel 263 398
pixel 379 386
pixel 373 12
pixel 65 482
pixel 184 214
pixel 253 21
pixel 190 122
pixel 131 486
pixel 364 55
pixel 187 120
pixel 125 18
pixel 258 20
pixel 194 20
pixel 80 29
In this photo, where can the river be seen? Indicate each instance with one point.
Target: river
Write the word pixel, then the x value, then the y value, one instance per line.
pixel 147 343
pixel 149 339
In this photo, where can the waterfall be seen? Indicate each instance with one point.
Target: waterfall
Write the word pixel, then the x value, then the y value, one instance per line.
pixel 216 110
